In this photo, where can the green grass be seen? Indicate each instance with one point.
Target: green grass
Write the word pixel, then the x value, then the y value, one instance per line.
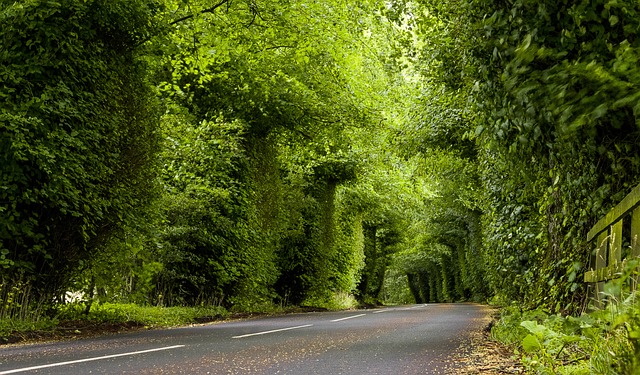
pixel 146 315
pixel 9 326
pixel 113 313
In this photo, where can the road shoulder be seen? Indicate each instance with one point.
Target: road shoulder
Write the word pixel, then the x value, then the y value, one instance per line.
pixel 482 355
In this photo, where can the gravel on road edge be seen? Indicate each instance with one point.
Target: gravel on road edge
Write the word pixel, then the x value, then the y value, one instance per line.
pixel 482 355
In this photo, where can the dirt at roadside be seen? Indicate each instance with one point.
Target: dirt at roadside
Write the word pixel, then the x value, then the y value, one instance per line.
pixel 70 330
pixel 482 355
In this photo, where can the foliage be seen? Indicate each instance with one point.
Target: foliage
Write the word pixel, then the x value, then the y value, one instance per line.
pixel 77 128
pixel 273 229
pixel 574 154
pixel 207 241
pixel 445 257
pixel 396 288
pixel 603 341
pixel 548 93
pixel 263 110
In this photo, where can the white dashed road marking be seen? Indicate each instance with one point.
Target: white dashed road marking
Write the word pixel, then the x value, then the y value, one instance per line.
pixel 272 331
pixel 87 360
pixel 348 317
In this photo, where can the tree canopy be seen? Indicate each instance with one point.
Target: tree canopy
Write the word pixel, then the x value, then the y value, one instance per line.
pixel 250 153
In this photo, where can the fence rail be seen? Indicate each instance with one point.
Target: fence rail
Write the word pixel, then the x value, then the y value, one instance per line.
pixel 617 240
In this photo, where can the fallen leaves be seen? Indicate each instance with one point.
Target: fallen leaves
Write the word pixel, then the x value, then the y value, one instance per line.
pixel 482 355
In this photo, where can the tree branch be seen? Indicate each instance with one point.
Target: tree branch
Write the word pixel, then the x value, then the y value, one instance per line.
pixel 279 46
pixel 208 10
pixel 187 17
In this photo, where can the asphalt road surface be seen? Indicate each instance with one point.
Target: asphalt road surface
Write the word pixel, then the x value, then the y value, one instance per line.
pixel 416 339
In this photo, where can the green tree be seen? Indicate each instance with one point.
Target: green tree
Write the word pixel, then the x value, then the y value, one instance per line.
pixel 293 75
pixel 551 89
pixel 77 137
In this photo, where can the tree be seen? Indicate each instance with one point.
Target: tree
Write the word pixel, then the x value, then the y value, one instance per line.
pixel 552 91
pixel 296 80
pixel 77 125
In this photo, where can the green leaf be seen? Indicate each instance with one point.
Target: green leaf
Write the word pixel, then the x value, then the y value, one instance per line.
pixel 535 328
pixel 531 344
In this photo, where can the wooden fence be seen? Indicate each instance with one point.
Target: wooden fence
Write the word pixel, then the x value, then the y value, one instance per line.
pixel 617 240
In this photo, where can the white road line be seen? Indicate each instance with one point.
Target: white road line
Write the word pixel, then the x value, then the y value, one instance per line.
pixel 411 308
pixel 348 317
pixel 272 331
pixel 381 311
pixel 87 360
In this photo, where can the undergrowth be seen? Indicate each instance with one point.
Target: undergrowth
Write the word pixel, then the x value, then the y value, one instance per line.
pixel 605 341
pixel 115 313
pixel 9 326
pixel 146 315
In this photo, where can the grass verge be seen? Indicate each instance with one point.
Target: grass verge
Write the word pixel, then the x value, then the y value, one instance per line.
pixel 73 321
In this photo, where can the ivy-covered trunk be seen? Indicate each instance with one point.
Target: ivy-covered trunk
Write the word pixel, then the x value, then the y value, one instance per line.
pixel 77 137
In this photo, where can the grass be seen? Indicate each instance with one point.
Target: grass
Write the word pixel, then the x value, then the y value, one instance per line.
pixel 9 327
pixel 71 320
pixel 151 316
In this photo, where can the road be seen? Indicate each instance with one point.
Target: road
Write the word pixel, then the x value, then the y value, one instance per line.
pixel 416 339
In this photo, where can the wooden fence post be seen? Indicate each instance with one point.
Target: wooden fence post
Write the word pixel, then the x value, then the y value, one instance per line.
pixel 635 245
pixel 601 262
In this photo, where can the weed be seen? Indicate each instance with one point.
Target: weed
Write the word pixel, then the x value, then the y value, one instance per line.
pixel 604 341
